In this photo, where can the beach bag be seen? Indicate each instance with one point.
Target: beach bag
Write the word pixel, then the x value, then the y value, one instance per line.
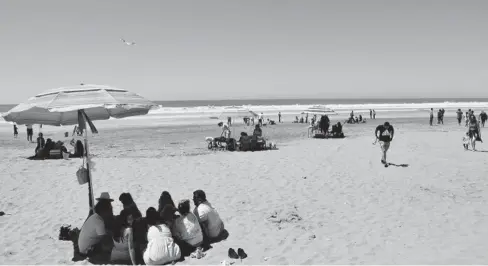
pixel 65 155
pixel 82 175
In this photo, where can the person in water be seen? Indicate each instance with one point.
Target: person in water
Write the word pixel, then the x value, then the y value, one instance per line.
pixel 384 133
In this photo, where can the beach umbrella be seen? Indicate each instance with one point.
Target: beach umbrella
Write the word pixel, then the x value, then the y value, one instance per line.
pixel 79 105
pixel 60 106
pixel 237 112
pixel 319 110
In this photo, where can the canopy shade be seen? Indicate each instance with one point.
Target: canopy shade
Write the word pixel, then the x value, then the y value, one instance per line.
pixel 319 110
pixel 60 106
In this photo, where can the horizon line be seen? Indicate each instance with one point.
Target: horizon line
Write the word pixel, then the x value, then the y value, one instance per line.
pixel 318 99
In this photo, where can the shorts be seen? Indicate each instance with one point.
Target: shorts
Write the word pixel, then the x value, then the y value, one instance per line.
pixel 385 145
pixel 30 132
pixel 473 133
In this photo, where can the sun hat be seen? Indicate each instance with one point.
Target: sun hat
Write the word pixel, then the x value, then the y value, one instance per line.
pixel 105 196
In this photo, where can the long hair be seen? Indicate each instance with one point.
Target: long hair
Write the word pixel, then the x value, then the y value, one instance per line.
pixel 129 204
pixel 165 199
pixel 120 224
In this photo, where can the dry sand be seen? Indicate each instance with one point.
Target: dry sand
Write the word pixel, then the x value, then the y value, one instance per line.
pixel 312 201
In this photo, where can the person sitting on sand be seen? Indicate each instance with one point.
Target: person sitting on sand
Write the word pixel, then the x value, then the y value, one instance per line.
pixel 40 143
pixel 165 199
pixel 225 130
pixel 337 130
pixel 186 229
pixel 94 240
pixel 45 151
pixel 123 251
pixel 258 132
pixel 129 204
pixel 79 149
pixel 296 119
pixel 208 217
pixel 324 124
pixel 161 248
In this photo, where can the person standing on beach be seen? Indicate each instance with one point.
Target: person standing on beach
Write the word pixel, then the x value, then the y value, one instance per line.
pixel 229 121
pixel 16 131
pixel 370 114
pixel 260 119
pixel 431 116
pixel 30 132
pixel 483 118
pixel 459 114
pixel 374 114
pixel 279 117
pixel 385 136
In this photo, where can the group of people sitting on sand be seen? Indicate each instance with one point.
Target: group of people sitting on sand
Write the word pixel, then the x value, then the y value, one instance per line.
pixel 164 235
pixel 323 126
pixel 45 147
pixel 253 142
pixel 246 142
pixel 355 119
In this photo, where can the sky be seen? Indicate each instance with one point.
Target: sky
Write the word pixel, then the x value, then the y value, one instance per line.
pixel 203 50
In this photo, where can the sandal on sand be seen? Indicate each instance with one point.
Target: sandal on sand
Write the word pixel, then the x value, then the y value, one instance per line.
pixel 241 253
pixel 232 254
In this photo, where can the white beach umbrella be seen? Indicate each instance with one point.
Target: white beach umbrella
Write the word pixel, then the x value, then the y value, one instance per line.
pixel 319 110
pixel 237 112
pixel 60 106
pixel 79 105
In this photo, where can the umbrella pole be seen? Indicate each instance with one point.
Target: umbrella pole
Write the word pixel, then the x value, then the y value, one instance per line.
pixel 90 187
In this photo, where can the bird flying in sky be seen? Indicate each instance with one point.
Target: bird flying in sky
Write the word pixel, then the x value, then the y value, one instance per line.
pixel 126 42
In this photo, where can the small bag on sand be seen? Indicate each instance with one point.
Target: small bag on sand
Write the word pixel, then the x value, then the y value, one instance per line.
pixel 82 175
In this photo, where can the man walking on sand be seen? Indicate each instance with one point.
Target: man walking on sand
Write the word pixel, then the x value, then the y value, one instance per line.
pixel 385 136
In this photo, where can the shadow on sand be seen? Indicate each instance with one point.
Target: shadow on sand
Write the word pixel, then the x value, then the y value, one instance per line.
pixel 398 165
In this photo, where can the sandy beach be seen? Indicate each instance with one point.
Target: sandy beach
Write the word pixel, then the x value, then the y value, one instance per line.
pixel 313 201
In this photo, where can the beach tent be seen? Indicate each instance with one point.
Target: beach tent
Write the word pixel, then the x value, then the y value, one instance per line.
pixel 237 112
pixel 79 105
pixel 319 110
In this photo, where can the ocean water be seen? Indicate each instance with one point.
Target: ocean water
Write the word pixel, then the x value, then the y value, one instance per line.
pixel 205 112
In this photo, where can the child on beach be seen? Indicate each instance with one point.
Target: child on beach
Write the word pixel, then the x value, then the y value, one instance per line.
pixel 466 141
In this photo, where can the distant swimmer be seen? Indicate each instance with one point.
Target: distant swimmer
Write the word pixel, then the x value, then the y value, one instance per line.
pixel 385 136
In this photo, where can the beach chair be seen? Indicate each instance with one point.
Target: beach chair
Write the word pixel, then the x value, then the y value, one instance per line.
pixel 55 154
